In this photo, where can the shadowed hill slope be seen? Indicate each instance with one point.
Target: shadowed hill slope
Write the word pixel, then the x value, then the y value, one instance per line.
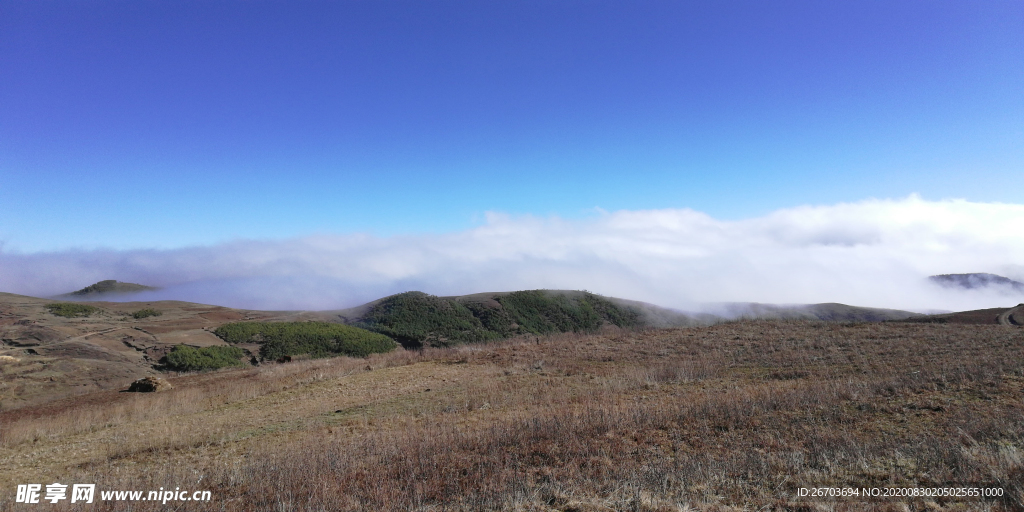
pixel 991 316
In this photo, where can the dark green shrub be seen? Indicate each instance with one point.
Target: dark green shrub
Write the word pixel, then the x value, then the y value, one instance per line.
pixel 189 359
pixel 71 309
pixel 148 312
pixel 318 339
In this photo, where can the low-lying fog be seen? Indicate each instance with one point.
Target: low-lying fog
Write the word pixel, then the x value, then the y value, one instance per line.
pixel 870 253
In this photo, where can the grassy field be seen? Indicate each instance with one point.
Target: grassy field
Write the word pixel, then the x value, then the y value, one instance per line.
pixel 736 416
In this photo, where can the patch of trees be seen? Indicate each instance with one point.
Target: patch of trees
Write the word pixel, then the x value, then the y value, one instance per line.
pixel 71 309
pixel 317 339
pixel 145 313
pixel 189 359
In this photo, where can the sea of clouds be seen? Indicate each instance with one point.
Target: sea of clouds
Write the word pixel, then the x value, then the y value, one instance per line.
pixel 870 253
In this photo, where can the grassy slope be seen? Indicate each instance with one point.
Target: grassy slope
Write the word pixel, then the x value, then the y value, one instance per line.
pixel 741 414
pixel 978 316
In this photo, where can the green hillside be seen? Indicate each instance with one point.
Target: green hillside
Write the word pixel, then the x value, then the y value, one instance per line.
pixel 417 319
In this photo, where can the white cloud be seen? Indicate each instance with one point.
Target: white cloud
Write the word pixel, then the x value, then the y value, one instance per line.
pixel 869 253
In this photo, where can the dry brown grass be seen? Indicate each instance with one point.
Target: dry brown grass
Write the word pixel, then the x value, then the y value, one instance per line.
pixel 735 415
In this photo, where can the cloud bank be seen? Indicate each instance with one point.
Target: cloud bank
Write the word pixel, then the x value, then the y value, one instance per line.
pixel 869 253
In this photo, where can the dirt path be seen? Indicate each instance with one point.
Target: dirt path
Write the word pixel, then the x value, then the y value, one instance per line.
pixel 1013 316
pixel 101 331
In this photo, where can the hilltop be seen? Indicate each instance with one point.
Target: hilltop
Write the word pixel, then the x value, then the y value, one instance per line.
pixel 106 288
pixel 977 281
pixel 416 319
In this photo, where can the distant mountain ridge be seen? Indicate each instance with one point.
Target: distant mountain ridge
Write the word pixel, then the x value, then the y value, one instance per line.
pixel 830 311
pixel 977 281
pixel 108 287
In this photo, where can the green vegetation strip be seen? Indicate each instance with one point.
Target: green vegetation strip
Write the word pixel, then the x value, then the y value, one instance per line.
pixel 318 339
pixel 71 310
pixel 189 359
pixel 148 312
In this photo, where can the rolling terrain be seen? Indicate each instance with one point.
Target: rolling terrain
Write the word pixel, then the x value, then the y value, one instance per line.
pixel 46 356
pixel 575 402
pixel 736 415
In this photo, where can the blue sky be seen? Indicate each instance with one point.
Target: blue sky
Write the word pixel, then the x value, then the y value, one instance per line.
pixel 130 125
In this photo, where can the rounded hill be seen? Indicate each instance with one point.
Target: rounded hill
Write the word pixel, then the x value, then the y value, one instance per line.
pixel 109 287
pixel 417 319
